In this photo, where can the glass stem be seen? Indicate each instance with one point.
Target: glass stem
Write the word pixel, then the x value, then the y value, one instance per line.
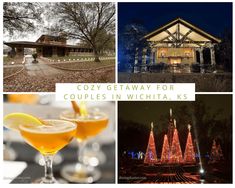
pixel 81 147
pixel 48 169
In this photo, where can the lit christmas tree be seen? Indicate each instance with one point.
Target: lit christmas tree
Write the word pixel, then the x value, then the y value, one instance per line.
pixel 171 128
pixel 151 155
pixel 189 154
pixel 165 150
pixel 175 150
pixel 216 153
pixel 220 152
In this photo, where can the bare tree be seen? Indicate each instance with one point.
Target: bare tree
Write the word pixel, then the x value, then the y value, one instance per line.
pixel 93 23
pixel 104 46
pixel 21 17
pixel 129 41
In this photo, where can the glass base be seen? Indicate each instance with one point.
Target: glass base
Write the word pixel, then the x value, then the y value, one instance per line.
pixel 58 159
pixel 80 173
pixel 53 181
pixel 94 158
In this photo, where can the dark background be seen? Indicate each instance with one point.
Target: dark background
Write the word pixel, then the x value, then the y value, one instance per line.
pixel 210 117
pixel 135 20
pixel 211 17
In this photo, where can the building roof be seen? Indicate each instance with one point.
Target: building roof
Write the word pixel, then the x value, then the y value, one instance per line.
pixel 52 37
pixel 182 33
pixel 27 44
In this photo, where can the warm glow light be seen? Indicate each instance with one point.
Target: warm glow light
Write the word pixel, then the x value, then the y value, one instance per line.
pixel 151 155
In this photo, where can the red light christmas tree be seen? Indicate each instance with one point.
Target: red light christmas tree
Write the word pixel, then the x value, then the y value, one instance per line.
pixel 175 150
pixel 216 153
pixel 165 150
pixel 220 152
pixel 151 155
pixel 189 154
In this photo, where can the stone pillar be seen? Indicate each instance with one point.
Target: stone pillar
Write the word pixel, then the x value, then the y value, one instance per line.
pixel 39 52
pixel 144 56
pixel 201 56
pixel 194 55
pixel 212 52
pixel 19 51
pixel 144 60
pixel 152 56
pixel 12 52
pixel 66 52
pixel 155 56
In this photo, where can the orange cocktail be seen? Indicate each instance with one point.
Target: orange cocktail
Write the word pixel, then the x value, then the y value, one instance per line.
pixel 50 138
pixel 46 136
pixel 87 126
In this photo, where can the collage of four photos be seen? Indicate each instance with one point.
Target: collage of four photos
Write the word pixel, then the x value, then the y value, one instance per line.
pixel 47 141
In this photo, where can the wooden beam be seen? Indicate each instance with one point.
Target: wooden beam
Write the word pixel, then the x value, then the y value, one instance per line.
pixel 187 42
pixel 186 34
pixel 168 38
pixel 173 37
pixel 178 32
pixel 193 41
pixel 184 37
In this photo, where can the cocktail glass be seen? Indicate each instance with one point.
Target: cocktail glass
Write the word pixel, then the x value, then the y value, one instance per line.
pixel 87 126
pixel 48 139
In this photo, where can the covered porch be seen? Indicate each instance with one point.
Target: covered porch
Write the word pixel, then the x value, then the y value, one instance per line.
pixel 176 47
pixel 46 50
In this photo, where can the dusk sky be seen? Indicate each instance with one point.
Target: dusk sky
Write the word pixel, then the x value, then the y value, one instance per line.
pixel 213 18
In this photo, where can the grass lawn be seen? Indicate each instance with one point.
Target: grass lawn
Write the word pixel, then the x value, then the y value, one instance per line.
pixel 23 82
pixel 66 58
pixel 86 65
pixel 8 60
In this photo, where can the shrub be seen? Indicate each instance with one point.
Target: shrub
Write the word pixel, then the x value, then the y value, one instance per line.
pixel 195 67
pixel 34 55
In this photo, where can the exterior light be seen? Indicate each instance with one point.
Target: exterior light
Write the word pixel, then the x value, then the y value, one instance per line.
pixel 201 171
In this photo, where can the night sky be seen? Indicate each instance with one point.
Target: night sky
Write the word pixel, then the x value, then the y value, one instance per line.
pixel 210 117
pixel 145 112
pixel 213 18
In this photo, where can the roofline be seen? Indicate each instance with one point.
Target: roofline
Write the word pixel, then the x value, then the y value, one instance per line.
pixel 42 44
pixel 52 36
pixel 184 23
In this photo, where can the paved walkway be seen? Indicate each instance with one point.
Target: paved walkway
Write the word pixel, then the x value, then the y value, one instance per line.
pixel 40 68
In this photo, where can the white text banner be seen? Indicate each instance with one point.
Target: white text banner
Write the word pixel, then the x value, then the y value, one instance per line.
pixel 126 92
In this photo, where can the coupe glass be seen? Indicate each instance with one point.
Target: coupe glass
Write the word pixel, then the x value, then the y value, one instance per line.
pixel 48 139
pixel 87 126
